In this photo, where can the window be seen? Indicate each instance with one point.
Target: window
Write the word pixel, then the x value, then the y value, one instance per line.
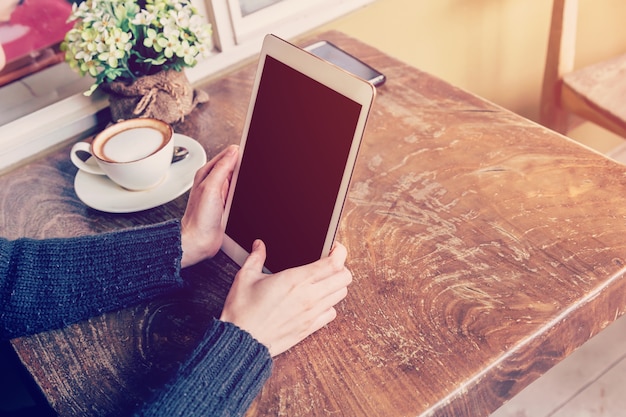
pixel 47 107
pixel 254 17
pixel 248 7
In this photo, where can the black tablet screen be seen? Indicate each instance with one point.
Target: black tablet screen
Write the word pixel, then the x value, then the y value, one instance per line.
pixel 295 155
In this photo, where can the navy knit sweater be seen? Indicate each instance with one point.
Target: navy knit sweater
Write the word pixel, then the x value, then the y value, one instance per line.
pixel 48 284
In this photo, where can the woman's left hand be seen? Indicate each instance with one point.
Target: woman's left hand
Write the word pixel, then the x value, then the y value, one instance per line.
pixel 202 231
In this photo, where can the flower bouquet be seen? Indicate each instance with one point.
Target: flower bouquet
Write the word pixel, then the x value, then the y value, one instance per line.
pixel 136 51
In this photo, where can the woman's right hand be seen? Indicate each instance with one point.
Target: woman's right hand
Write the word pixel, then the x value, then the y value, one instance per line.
pixel 282 309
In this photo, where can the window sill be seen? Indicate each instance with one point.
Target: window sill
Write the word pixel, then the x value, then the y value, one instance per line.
pixel 77 116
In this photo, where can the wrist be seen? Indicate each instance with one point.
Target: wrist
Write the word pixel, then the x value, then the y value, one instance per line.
pixel 190 254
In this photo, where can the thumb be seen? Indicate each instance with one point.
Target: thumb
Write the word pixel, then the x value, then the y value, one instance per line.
pixel 256 259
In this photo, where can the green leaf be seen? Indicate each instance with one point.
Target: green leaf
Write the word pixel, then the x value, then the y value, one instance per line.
pixel 155 61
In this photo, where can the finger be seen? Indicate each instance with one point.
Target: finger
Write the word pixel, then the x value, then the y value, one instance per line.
pixel 339 251
pixel 322 320
pixel 222 162
pixel 326 296
pixel 334 263
pixel 225 188
pixel 255 261
pixel 215 176
pixel 328 292
pixel 337 245
pixel 334 281
pixel 208 166
pixel 226 163
pixel 334 298
pixel 316 324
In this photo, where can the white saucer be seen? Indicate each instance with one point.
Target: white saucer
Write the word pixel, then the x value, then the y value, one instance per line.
pixel 100 193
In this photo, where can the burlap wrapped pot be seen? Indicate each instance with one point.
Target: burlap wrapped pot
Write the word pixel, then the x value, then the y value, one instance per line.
pixel 166 95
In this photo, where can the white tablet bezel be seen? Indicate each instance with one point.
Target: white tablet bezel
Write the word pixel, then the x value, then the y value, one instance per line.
pixel 331 76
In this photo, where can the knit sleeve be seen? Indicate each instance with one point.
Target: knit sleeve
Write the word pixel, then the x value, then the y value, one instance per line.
pixel 222 377
pixel 48 284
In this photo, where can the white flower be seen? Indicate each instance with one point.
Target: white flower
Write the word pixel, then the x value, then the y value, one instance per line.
pixel 149 40
pixel 187 52
pixel 168 45
pixel 196 24
pixel 114 39
pixel 203 49
pixel 144 18
pixel 180 18
pixel 170 30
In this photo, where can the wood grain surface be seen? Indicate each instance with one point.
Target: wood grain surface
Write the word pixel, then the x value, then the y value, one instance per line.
pixel 484 249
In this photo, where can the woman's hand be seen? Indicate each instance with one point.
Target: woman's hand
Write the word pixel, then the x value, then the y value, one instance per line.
pixel 202 231
pixel 282 309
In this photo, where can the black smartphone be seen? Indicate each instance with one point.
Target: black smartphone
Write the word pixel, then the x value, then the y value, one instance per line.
pixel 343 59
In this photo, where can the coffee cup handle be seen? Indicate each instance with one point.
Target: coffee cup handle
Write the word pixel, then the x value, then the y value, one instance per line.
pixel 92 167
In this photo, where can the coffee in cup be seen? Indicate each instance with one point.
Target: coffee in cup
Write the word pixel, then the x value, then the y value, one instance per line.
pixel 136 153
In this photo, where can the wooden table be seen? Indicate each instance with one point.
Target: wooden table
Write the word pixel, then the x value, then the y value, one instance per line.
pixel 484 249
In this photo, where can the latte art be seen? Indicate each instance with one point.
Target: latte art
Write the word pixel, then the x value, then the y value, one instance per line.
pixel 131 145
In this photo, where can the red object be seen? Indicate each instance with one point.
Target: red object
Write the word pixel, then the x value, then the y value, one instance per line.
pixel 43 24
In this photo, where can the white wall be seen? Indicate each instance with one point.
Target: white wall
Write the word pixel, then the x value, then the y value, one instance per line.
pixel 494 48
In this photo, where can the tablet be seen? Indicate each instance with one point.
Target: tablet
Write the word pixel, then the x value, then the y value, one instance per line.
pixel 299 145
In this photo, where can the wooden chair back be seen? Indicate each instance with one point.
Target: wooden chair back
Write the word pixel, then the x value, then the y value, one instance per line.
pixel 596 93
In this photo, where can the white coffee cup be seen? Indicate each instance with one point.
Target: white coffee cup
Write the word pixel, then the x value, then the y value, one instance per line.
pixel 136 153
